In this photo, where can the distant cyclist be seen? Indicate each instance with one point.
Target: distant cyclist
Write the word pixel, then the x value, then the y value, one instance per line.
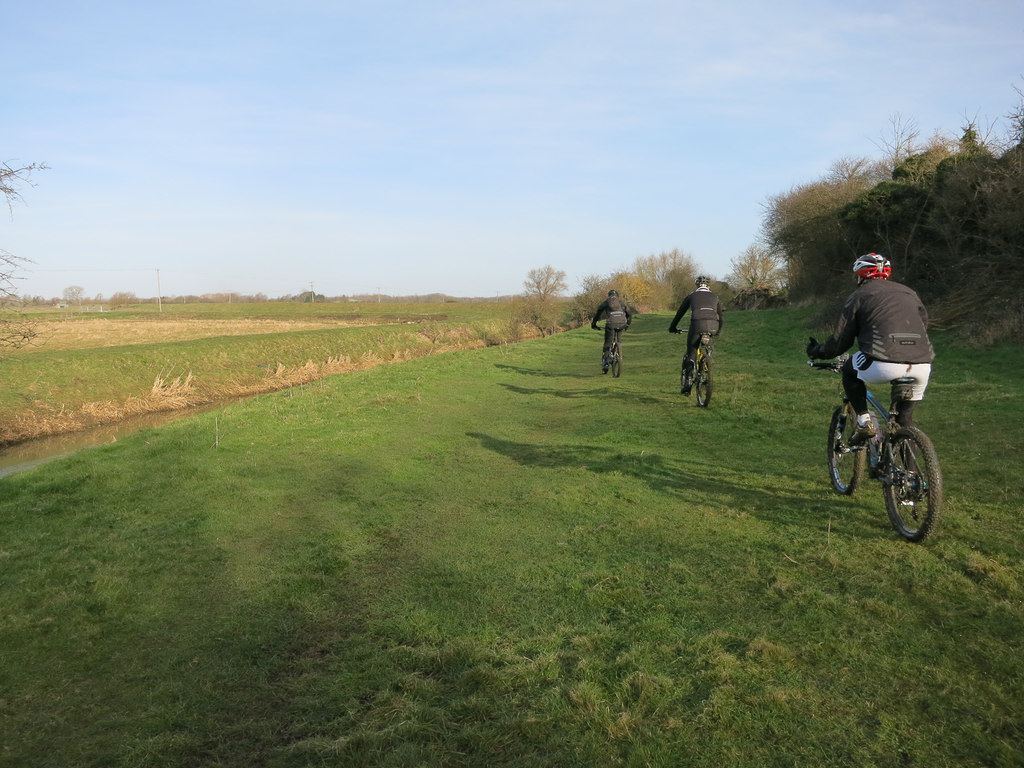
pixel 705 317
pixel 890 325
pixel 619 315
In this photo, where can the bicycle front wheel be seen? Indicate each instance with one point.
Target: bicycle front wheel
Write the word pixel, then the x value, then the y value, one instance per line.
pixel 616 362
pixel 703 382
pixel 912 483
pixel 845 465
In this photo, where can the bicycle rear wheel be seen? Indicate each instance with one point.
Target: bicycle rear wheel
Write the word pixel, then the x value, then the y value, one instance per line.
pixel 845 465
pixel 616 361
pixel 912 483
pixel 703 382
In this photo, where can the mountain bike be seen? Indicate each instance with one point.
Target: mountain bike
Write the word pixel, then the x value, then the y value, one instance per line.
pixel 614 360
pixel 697 372
pixel 901 458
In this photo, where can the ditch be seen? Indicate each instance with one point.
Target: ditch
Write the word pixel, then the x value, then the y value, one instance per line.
pixel 31 453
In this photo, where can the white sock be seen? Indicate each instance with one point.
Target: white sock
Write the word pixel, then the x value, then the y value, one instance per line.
pixel 863 419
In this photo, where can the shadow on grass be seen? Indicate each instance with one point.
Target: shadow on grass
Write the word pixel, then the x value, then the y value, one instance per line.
pixel 540 372
pixel 704 483
pixel 570 394
pixel 651 468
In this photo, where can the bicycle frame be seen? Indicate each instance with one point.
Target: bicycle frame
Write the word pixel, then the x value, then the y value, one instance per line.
pixel 885 415
pixel 703 347
pixel 702 380
pixel 696 373
pixel 901 458
pixel 615 353
pixel 615 356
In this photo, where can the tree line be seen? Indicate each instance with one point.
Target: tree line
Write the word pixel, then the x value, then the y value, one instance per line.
pixel 948 212
pixel 655 282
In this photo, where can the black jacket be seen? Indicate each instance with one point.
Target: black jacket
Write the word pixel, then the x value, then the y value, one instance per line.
pixel 888 322
pixel 613 304
pixel 705 312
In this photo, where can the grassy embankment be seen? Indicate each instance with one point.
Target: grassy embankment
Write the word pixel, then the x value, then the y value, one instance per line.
pixel 88 369
pixel 501 557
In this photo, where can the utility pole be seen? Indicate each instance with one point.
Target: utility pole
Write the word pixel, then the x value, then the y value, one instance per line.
pixel 159 299
pixel 312 296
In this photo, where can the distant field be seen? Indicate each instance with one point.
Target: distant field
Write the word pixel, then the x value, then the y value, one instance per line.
pixel 287 310
pixel 148 323
pixel 85 333
pixel 90 368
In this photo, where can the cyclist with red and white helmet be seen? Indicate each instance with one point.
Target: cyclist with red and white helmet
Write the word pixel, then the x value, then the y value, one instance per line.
pixel 890 325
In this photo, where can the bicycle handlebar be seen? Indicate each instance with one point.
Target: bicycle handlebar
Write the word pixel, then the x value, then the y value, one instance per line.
pixel 830 365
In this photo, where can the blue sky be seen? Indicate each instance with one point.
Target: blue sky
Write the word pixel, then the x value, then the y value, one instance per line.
pixel 449 146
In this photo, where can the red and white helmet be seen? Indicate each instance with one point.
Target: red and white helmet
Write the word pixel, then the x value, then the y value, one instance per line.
pixel 872 265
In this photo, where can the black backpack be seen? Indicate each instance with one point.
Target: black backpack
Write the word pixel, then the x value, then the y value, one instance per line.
pixel 616 314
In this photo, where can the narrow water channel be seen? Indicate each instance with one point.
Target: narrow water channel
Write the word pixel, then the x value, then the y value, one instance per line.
pixel 31 453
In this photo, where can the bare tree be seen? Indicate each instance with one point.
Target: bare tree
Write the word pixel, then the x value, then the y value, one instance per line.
pixel 758 267
pixel 1016 118
pixel 14 332
pixel 803 225
pixel 545 283
pixel 9 264
pixel 540 306
pixel 13 178
pixel 901 143
pixel 73 294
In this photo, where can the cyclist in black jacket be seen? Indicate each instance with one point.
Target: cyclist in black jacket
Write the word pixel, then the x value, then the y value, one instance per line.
pixel 620 315
pixel 705 317
pixel 890 325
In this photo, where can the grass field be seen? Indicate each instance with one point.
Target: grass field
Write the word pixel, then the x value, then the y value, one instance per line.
pixel 500 557
pixel 90 369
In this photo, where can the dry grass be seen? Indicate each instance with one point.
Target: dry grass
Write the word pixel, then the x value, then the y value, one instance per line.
pixel 91 332
pixel 67 407
pixel 182 392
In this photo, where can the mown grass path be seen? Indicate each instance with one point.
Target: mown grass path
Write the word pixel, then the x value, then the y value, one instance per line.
pixel 502 557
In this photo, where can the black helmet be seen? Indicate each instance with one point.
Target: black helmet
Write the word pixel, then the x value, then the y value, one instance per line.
pixel 612 292
pixel 702 282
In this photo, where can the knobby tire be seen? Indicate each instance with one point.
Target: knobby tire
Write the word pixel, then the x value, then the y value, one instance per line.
pixel 912 483
pixel 845 466
pixel 703 381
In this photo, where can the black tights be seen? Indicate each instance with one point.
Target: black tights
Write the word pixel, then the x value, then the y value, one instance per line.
pixel 611 335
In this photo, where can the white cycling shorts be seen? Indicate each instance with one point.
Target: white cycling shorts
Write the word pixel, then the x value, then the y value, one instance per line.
pixel 881 372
